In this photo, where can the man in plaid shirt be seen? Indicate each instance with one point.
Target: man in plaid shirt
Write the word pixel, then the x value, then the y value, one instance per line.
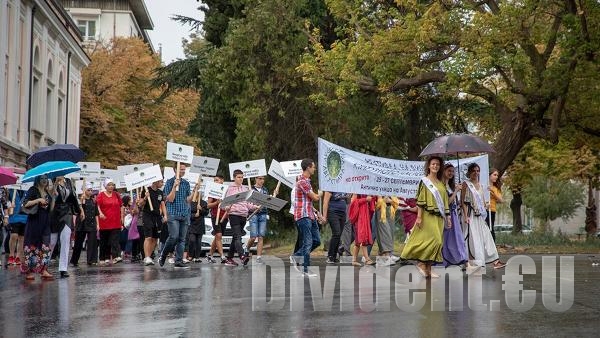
pixel 305 216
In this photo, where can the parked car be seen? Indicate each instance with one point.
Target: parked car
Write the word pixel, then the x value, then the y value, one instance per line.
pixel 508 228
pixel 208 237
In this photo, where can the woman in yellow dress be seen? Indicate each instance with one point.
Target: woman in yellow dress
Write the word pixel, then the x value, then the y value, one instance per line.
pixel 425 242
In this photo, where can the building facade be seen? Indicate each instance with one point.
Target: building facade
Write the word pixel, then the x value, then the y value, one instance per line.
pixel 42 56
pixel 102 20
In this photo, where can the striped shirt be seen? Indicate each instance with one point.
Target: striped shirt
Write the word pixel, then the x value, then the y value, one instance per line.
pixel 303 204
pixel 180 206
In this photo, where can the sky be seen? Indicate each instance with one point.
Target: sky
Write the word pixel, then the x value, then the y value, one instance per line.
pixel 167 32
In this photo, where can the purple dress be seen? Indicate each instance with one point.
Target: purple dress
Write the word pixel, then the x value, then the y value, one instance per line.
pixel 454 250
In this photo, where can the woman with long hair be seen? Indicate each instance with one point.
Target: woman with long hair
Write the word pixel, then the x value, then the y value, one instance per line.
pixel 36 249
pixel 64 202
pixel 480 244
pixel 454 251
pixel 495 189
pixel 425 242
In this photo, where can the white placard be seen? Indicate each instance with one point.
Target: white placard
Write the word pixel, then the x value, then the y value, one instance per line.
pixel 168 173
pixel 214 190
pixel 250 168
pixel 96 185
pixel 143 178
pixel 291 168
pixel 180 152
pixel 191 177
pixel 276 172
pixel 128 169
pixel 267 201
pixel 104 174
pixel 206 166
pixel 235 198
pixel 88 169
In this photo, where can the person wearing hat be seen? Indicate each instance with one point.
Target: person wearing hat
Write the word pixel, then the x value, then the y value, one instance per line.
pixel 110 222
pixel 87 228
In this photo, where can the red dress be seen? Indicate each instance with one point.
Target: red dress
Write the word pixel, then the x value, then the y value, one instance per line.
pixel 362 227
pixel 111 208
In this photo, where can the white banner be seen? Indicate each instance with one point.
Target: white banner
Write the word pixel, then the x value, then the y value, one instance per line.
pixel 276 172
pixel 250 168
pixel 180 152
pixel 206 166
pixel 88 169
pixel 214 190
pixel 344 170
pixel 291 168
pixel 143 178
pixel 96 185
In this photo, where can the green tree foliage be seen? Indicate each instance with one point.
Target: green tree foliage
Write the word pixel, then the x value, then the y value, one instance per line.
pixel 121 120
pixel 520 59
pixel 552 198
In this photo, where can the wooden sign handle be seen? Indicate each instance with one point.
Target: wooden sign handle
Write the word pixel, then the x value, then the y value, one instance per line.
pixel 249 184
pixel 276 191
pixel 218 212
pixel 177 174
pixel 149 199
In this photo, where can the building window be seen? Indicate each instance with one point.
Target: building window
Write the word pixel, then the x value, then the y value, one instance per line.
pixel 87 28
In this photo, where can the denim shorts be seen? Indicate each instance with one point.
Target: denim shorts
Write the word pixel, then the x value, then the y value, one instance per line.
pixel 258 225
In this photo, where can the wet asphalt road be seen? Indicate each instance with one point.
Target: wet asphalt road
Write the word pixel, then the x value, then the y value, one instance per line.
pixel 130 300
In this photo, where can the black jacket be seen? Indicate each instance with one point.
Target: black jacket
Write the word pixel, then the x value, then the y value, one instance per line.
pixel 65 206
pixel 197 223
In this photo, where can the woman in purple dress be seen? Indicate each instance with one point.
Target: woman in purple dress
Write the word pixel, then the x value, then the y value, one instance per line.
pixel 454 250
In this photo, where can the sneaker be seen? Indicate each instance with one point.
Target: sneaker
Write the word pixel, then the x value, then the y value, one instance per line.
pixel 244 259
pixel 294 263
pixel 11 260
pixel 330 260
pixel 171 260
pixel 385 261
pixel 395 258
pixel 148 261
pixel 106 262
pixel 197 260
pixel 223 260
pixel 259 260
pixel 161 261
pixel 309 274
pixel 210 260
pixel 181 265
pixel 185 261
pixel 17 261
pixel 117 260
pixel 230 262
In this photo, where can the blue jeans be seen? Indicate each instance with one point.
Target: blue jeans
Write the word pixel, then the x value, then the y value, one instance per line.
pixel 311 239
pixel 178 227
pixel 258 225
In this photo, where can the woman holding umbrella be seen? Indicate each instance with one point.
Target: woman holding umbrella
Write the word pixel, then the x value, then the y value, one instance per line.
pixel 481 246
pixel 36 249
pixel 64 203
pixel 425 242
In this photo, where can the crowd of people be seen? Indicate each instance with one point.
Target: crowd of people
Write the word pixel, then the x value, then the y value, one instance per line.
pixel 446 223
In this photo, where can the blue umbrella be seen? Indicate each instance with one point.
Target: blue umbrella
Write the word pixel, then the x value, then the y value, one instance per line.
pixel 51 169
pixel 55 152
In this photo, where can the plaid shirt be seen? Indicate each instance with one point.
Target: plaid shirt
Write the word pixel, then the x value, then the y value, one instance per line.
pixel 179 206
pixel 303 205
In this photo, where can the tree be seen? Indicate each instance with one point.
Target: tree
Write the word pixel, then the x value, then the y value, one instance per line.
pixel 121 120
pixel 521 59
pixel 550 199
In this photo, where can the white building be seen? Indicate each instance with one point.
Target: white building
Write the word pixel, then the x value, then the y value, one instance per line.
pixel 40 89
pixel 102 20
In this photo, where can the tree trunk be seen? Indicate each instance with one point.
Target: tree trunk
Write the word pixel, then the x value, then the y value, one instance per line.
pixel 513 136
pixel 515 206
pixel 591 225
pixel 414 134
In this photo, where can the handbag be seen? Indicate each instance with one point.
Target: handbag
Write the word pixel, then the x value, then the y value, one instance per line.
pixel 29 211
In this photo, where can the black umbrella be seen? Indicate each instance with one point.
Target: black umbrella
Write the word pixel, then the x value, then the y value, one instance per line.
pixel 457 144
pixel 55 152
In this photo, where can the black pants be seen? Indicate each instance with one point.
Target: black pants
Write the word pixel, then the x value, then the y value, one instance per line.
pixel 491 226
pixel 91 246
pixel 195 245
pixel 236 223
pixel 137 248
pixel 109 244
pixel 336 220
